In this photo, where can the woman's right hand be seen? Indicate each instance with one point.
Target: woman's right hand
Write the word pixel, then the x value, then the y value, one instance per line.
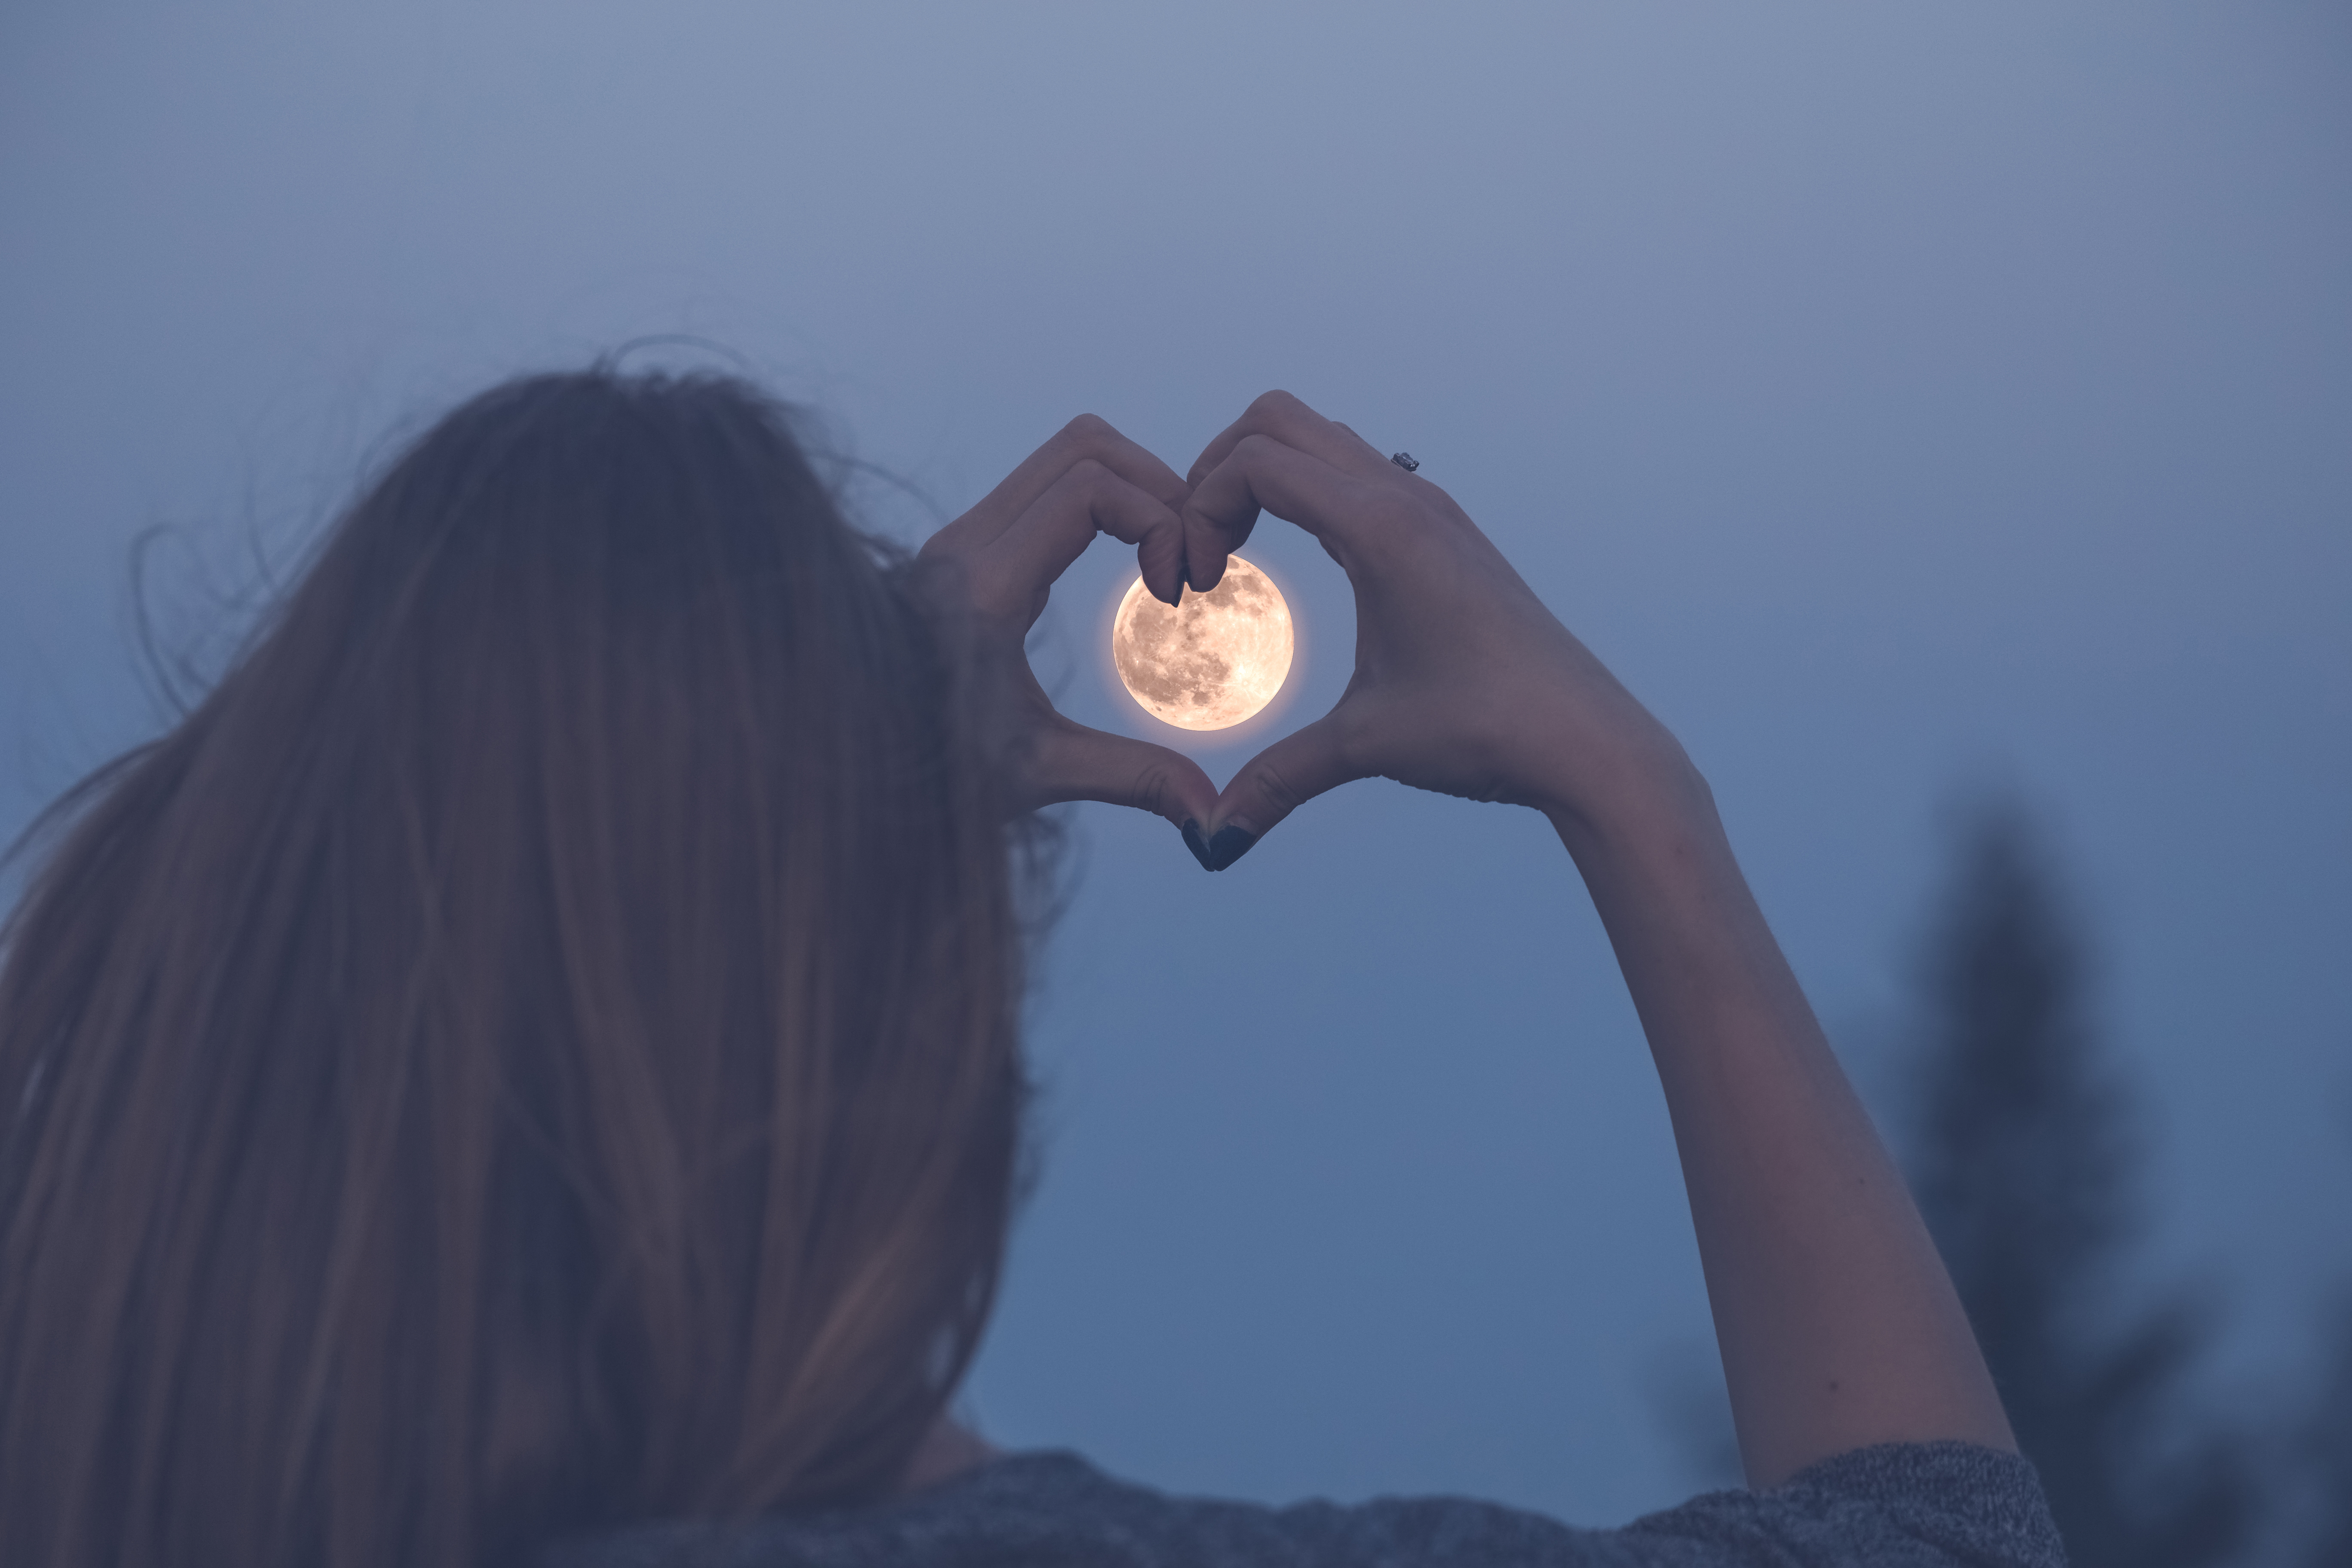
pixel 1464 682
pixel 1838 1325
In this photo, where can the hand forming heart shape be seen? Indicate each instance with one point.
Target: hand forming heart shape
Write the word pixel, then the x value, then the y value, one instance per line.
pixel 1464 682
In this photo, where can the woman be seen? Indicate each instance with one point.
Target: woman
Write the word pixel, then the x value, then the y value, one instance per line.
pixel 526 1070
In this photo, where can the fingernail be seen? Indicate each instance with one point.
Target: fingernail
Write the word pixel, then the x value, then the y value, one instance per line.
pixel 1230 844
pixel 1192 841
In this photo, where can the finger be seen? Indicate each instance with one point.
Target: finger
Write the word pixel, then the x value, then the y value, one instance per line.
pixel 1261 472
pixel 1273 783
pixel 1086 436
pixel 1081 763
pixel 1351 429
pixel 1027 558
pixel 1292 423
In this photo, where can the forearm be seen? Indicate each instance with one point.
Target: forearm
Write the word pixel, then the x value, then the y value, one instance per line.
pixel 1838 1325
pixel 1837 1322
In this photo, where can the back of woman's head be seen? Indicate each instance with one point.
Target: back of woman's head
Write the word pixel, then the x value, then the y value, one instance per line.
pixel 533 1047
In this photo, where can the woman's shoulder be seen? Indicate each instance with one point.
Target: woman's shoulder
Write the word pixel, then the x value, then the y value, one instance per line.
pixel 1896 1503
pixel 1926 1504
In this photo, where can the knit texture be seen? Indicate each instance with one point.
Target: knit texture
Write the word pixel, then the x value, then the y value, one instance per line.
pixel 1934 1505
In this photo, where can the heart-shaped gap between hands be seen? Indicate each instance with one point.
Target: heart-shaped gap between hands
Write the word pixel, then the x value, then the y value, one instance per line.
pixel 1463 683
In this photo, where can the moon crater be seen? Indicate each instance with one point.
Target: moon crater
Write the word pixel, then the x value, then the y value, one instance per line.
pixel 1214 661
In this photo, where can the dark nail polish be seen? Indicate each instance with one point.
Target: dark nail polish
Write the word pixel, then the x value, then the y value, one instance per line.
pixel 1193 842
pixel 1230 844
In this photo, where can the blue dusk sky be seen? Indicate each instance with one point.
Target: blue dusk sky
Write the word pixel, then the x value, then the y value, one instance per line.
pixel 1905 401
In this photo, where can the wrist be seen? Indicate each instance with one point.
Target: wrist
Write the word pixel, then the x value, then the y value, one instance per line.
pixel 1626 781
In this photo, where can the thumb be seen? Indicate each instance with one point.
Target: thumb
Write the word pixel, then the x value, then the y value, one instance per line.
pixel 1075 762
pixel 1273 783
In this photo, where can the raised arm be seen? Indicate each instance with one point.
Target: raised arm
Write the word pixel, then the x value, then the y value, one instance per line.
pixel 1838 1325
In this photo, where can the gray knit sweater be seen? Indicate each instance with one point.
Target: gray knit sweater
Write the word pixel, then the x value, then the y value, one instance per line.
pixel 1938 1505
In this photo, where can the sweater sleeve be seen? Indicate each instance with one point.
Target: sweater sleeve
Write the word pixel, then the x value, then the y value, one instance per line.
pixel 1944 1505
pixel 1928 1504
pixel 1938 1505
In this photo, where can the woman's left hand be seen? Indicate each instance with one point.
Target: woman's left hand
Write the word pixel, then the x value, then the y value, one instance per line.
pixel 987 576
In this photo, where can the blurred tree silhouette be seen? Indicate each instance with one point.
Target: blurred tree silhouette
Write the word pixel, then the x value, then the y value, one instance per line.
pixel 2024 1163
pixel 2325 1456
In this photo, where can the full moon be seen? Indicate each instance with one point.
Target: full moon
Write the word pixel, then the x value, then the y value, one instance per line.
pixel 1213 662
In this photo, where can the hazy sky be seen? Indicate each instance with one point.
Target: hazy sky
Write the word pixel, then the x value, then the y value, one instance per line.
pixel 1903 399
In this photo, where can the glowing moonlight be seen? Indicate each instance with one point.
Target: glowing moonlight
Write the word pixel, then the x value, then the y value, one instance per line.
pixel 1213 663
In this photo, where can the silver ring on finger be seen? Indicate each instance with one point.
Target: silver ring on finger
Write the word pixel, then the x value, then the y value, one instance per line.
pixel 1404 460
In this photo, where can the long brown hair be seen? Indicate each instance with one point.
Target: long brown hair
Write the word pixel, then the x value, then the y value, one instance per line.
pixel 534 1047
